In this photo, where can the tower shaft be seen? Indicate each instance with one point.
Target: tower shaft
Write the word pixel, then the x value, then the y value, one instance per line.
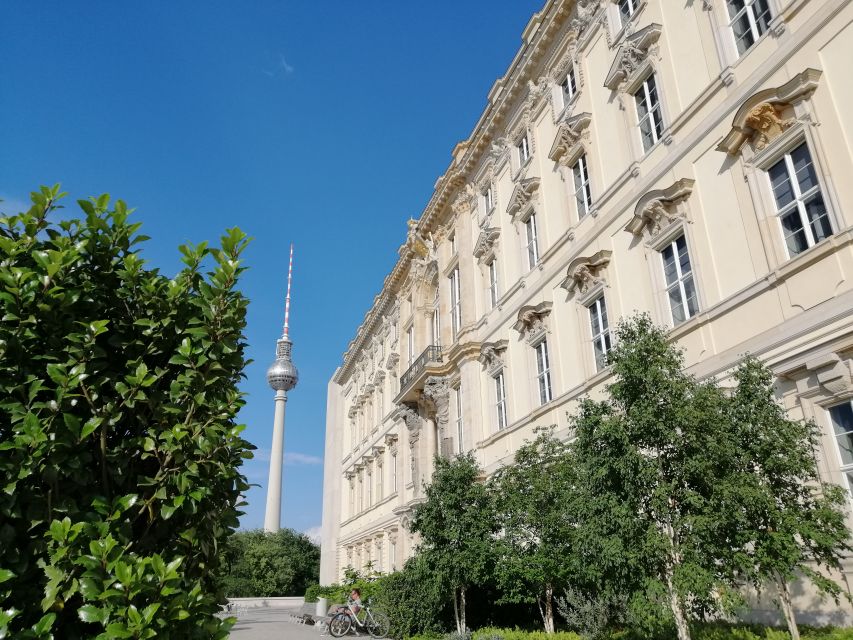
pixel 272 515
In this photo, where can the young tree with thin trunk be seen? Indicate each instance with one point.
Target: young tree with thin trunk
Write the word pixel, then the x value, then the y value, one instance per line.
pixel 457 528
pixel 649 458
pixel 534 498
pixel 789 523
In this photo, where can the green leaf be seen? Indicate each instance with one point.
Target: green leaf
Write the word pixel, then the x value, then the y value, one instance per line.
pixel 90 613
pixel 44 624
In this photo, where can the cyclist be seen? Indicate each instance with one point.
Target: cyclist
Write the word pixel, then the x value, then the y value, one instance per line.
pixel 353 605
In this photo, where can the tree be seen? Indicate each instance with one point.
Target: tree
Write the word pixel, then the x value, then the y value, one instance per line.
pixel 457 528
pixel 789 522
pixel 534 500
pixel 120 448
pixel 261 564
pixel 649 458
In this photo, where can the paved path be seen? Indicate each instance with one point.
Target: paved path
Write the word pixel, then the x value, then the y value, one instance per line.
pixel 264 623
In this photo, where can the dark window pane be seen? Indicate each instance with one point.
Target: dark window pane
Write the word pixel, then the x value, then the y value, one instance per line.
pixel 676 305
pixel 692 299
pixel 804 168
pixel 842 418
pixel 735 7
pixel 795 236
pixel 761 11
pixel 781 183
pixel 818 218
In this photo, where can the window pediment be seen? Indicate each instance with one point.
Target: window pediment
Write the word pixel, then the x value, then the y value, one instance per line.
pixel 567 142
pixel 765 115
pixel 485 247
pixel 523 197
pixel 631 56
pixel 658 209
pixel 531 321
pixel 492 355
pixel 584 273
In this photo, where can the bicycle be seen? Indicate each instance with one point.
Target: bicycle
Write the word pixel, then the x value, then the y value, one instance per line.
pixel 376 623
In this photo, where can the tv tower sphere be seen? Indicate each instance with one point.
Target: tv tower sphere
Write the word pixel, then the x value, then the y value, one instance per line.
pixel 282 374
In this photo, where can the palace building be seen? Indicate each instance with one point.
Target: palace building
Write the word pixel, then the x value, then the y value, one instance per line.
pixel 692 159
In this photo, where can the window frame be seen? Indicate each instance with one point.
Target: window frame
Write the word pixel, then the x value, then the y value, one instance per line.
pixel 531 246
pixel 570 82
pixel 460 420
pixel 634 6
pixel 501 400
pixel 672 244
pixel 754 29
pixel 523 149
pixel 494 292
pixel 544 383
pixel 845 469
pixel 580 171
pixel 410 343
pixel 455 302
pixel 604 335
pixel 659 123
pixel 394 479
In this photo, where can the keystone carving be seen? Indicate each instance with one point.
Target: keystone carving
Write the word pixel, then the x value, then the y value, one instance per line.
pixel 585 11
pixel 531 321
pixel 491 355
pixel 584 273
pixel 657 209
pixel 523 197
pixel 767 123
pixel 631 56
pixel 486 241
pixel 568 139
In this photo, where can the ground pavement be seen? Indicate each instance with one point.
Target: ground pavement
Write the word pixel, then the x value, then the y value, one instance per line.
pixel 267 623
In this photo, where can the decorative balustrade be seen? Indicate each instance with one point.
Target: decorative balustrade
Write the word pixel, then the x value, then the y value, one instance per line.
pixel 431 354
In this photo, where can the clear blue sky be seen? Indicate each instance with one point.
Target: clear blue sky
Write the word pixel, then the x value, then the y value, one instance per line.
pixel 321 123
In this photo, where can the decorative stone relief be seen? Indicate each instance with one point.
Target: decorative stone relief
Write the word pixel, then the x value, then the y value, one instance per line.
pixel 391 362
pixel 632 56
pixel 766 115
pixel 422 247
pixel 466 200
pixel 437 393
pixel 523 198
pixel 484 250
pixel 498 149
pixel 584 274
pixel 492 355
pixel 585 12
pixel 531 324
pixel 411 419
pixel 568 141
pixel 537 90
pixel 657 210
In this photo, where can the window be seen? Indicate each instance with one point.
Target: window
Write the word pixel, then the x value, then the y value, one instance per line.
pixel 460 427
pixel 627 9
pixel 352 496
pixel 569 86
pixel 488 199
pixel 410 337
pixel 394 472
pixel 583 194
pixel 435 328
pixel 360 493
pixel 455 303
pixel 452 240
pixel 842 427
pixel 680 288
pixel 799 202
pixel 493 282
pixel 543 372
pixel 369 489
pixel 379 482
pixel 601 339
pixel 648 113
pixel 392 549
pixel 532 242
pixel 523 147
pixel 500 400
pixel 750 19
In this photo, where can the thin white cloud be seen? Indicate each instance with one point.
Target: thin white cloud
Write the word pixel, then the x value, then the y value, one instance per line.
pixel 282 67
pixel 291 458
pixel 288 69
pixel 315 534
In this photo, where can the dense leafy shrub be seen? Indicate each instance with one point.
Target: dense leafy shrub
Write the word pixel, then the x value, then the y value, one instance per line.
pixel 119 448
pixel 261 564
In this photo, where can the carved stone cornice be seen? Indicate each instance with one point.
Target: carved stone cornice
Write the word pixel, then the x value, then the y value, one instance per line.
pixel 631 56
pixel 491 355
pixel 484 250
pixel 523 198
pixel 567 142
pixel 530 323
pixel 584 273
pixel 760 118
pixel 657 209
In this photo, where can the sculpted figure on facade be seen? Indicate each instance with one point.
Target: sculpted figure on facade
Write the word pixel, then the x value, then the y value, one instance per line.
pixel 437 393
pixel 585 11
pixel 422 247
pixel 767 123
pixel 531 321
pixel 491 355
pixel 584 273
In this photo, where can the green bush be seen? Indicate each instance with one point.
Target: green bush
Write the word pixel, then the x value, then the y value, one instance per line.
pixel 491 633
pixel 119 447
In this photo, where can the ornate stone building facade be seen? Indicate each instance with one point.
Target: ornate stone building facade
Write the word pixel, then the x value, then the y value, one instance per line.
pixel 685 158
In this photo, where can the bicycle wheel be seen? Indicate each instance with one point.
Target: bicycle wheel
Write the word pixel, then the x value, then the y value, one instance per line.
pixel 379 624
pixel 339 625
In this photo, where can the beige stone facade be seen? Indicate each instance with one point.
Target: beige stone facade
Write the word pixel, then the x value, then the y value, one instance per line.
pixel 669 156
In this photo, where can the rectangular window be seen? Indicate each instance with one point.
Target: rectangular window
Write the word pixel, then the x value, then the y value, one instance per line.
pixel 532 242
pixel 627 9
pixel 369 489
pixel 601 339
pixel 394 472
pixel 453 244
pixel 493 282
pixel 583 193
pixel 842 427
pixel 569 86
pixel 749 20
pixel 523 147
pixel 460 426
pixel 360 493
pixel 436 328
pixel 799 201
pixel 500 400
pixel 649 113
pixel 379 482
pixel 680 288
pixel 455 303
pixel 488 199
pixel 352 497
pixel 410 339
pixel 393 552
pixel 543 372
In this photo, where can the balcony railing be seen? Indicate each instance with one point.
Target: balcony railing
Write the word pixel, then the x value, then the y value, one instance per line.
pixel 431 354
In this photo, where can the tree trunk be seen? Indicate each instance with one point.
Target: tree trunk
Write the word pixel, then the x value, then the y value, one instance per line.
pixel 675 604
pixel 462 602
pixel 787 607
pixel 549 608
pixel 456 610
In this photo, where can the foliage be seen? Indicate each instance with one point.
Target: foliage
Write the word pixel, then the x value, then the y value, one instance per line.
pixel 701 631
pixel 591 615
pixel 413 598
pixel 261 564
pixel 535 501
pixel 790 522
pixel 457 528
pixel 120 448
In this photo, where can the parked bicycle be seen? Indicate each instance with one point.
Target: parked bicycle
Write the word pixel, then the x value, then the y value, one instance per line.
pixel 376 623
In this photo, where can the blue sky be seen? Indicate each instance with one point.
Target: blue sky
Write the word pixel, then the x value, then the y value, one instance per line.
pixel 321 123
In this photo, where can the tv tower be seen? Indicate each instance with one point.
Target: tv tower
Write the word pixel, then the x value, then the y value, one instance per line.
pixel 282 377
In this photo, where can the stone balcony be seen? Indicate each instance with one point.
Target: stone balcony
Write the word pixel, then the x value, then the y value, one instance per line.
pixel 426 364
